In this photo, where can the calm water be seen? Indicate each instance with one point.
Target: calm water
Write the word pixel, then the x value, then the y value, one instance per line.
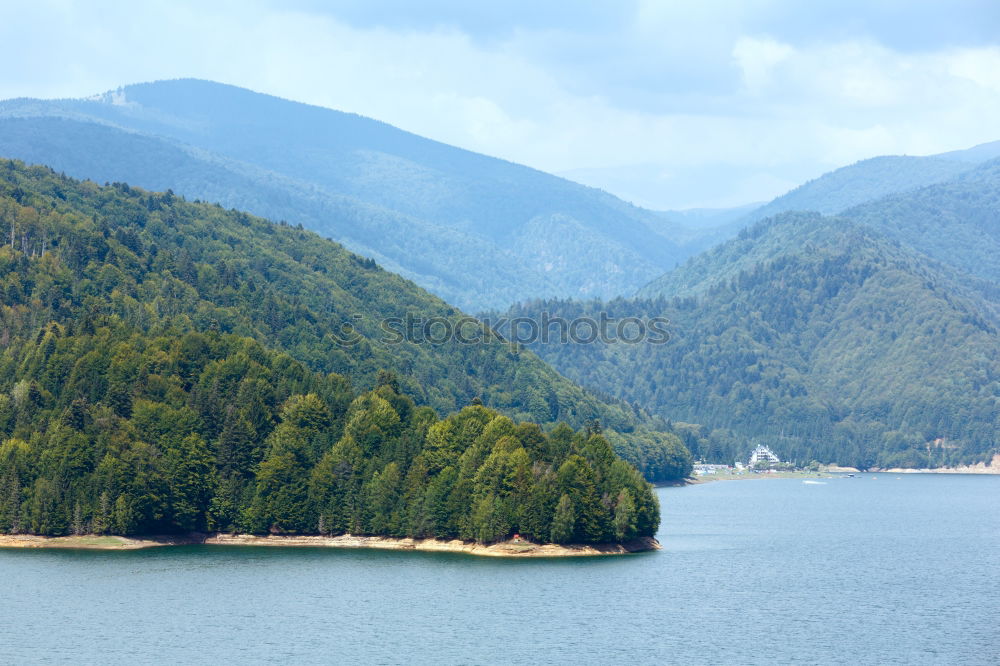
pixel 863 570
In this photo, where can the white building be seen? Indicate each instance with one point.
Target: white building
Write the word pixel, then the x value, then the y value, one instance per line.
pixel 763 454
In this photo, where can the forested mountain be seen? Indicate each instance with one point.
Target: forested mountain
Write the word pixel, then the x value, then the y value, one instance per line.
pixel 818 336
pixel 956 222
pixel 478 231
pixel 156 354
pixel 168 367
pixel 861 182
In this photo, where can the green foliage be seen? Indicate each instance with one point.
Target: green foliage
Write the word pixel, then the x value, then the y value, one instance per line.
pixel 564 520
pixel 816 336
pixel 91 258
pixel 167 368
pixel 156 472
pixel 953 222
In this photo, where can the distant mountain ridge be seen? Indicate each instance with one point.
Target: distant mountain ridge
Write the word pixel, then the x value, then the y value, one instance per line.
pixel 479 231
pixel 862 181
pixel 974 155
pixel 956 222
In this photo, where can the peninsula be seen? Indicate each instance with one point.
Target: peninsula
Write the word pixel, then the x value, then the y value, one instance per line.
pixel 169 367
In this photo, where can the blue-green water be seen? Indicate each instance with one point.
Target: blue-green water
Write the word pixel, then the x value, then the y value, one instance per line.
pixel 864 570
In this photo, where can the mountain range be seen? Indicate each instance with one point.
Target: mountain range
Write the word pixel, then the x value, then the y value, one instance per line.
pixel 869 338
pixel 478 231
pixel 862 333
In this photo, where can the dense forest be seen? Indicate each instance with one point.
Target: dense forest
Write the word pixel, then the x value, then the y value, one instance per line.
pixel 154 259
pixel 817 336
pixel 169 366
pixel 954 222
pixel 112 431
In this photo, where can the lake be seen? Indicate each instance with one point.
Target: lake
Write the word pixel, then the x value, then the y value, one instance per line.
pixel 874 569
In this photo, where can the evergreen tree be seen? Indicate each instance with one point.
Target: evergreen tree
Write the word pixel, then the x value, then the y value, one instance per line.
pixel 563 521
pixel 192 483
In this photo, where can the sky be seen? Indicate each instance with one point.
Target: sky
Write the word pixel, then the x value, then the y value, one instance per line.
pixel 666 104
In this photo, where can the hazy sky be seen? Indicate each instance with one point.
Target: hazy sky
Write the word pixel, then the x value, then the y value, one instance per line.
pixel 668 104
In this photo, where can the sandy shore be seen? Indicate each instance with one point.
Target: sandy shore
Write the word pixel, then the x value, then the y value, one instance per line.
pixel 750 476
pixel 503 549
pixel 979 468
pixel 993 467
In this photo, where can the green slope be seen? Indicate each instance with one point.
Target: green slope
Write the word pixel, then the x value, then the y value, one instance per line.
pixel 130 253
pixel 818 336
pixel 169 367
pixel 956 222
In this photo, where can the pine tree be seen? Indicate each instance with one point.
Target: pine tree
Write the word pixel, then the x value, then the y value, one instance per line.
pixel 563 521
pixel 625 516
pixel 192 483
pixel 123 516
pixel 383 495
pixel 102 517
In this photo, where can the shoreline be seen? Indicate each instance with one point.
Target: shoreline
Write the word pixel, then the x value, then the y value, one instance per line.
pixel 835 471
pixel 502 549
pixel 993 467
pixel 751 476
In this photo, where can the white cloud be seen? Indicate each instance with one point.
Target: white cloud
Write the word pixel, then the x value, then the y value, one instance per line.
pixel 757 58
pixel 980 66
pixel 684 105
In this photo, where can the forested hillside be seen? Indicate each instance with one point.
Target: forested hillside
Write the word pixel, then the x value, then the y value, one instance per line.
pixel 169 367
pixel 155 263
pixel 816 336
pixel 956 222
pixel 477 231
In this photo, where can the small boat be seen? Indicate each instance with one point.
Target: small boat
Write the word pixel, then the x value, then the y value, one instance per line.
pixel 850 476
